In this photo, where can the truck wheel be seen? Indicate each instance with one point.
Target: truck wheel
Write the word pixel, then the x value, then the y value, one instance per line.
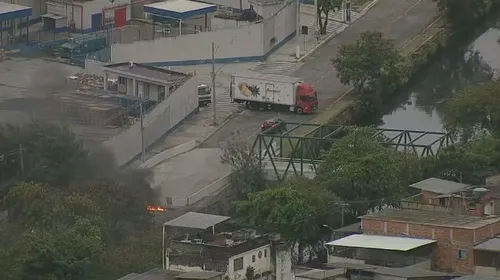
pixel 251 105
pixel 299 110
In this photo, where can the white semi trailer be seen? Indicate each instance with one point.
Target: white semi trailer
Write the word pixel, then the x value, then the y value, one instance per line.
pixel 264 91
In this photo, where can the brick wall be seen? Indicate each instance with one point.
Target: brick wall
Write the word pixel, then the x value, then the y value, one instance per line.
pixel 449 240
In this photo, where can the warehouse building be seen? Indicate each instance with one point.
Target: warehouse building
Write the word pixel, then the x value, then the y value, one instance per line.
pixel 13 24
pixel 85 15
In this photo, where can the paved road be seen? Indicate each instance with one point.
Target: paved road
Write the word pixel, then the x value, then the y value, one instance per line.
pixel 400 20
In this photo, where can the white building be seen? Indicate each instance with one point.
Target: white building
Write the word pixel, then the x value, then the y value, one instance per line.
pixel 176 95
pixel 38 7
pixel 86 15
pixel 229 251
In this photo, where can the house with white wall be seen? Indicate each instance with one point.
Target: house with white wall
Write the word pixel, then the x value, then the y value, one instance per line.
pixel 195 245
pixel 86 15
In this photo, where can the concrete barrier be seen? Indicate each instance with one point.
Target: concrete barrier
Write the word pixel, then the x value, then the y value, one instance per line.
pixel 168 154
pixel 208 190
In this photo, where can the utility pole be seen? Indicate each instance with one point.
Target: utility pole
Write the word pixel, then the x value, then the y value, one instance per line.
pixel 143 149
pixel 21 160
pixel 342 211
pixel 213 85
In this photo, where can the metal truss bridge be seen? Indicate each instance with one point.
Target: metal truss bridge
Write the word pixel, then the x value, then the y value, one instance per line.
pixel 297 151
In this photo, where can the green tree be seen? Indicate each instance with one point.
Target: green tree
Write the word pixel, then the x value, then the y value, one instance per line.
pixel 296 209
pixel 51 154
pixel 372 65
pixel 366 174
pixel 323 9
pixel 474 111
pixel 463 15
pixel 247 174
pixel 470 162
pixel 61 255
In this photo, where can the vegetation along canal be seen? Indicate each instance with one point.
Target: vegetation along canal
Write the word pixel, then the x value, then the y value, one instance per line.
pixel 420 105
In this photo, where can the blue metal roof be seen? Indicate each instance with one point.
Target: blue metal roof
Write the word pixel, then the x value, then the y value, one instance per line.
pixel 12 11
pixel 179 9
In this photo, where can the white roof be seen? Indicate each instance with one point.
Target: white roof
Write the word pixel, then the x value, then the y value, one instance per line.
pixel 9 8
pixel 439 186
pixel 196 220
pixel 179 6
pixel 268 77
pixel 381 242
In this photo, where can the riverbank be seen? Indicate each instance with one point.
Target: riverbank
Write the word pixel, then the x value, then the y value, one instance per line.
pixel 419 52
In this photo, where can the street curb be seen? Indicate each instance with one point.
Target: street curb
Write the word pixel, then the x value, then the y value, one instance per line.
pixel 218 128
pixel 331 36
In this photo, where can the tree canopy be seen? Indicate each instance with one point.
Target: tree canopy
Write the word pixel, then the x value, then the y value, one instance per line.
pixel 323 10
pixel 464 14
pixel 372 65
pixel 362 171
pixel 295 209
pixel 68 208
pixel 474 111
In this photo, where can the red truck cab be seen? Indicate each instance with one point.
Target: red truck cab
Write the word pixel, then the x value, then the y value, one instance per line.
pixel 307 99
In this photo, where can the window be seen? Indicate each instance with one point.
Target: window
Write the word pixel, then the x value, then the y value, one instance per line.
pixel 122 80
pixel 462 254
pixel 238 264
pixel 265 253
pixel 253 258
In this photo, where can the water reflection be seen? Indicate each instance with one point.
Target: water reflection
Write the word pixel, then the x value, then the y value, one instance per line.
pixel 423 103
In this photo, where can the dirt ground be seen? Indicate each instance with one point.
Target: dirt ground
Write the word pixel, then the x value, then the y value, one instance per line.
pixel 28 92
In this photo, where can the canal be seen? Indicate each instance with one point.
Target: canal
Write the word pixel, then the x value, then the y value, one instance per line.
pixel 420 105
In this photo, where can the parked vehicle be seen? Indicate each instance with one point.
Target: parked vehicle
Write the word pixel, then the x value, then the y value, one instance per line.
pixel 275 125
pixel 263 91
pixel 204 95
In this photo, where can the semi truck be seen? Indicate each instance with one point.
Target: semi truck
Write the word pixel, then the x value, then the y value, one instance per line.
pixel 265 91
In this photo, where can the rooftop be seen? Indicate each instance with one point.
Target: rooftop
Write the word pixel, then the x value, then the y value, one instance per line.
pixel 319 274
pixel 199 275
pixel 146 72
pixel 403 272
pixel 154 274
pixel 179 9
pixel 381 242
pixel 12 11
pixel 196 220
pixel 439 186
pixel 491 245
pixel 353 228
pixel 433 218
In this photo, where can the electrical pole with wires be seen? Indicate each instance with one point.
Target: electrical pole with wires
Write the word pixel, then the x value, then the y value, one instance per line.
pixel 143 148
pixel 213 85
pixel 21 160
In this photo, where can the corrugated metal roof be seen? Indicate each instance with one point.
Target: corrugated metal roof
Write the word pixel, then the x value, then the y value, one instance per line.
pixel 200 275
pixel 180 6
pixel 381 242
pixel 319 274
pixel 6 8
pixel 492 245
pixel 196 220
pixel 439 186
pixel 424 217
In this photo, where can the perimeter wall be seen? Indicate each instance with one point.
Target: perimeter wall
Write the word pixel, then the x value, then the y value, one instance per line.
pixel 248 43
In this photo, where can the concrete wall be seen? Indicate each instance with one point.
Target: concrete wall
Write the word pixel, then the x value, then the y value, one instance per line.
pixel 94 67
pixel 278 28
pixel 262 264
pixel 283 264
pixel 193 48
pixel 235 4
pixel 163 118
pixel 249 43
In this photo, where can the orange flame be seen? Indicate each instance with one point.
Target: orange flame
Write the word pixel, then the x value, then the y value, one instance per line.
pixel 152 208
